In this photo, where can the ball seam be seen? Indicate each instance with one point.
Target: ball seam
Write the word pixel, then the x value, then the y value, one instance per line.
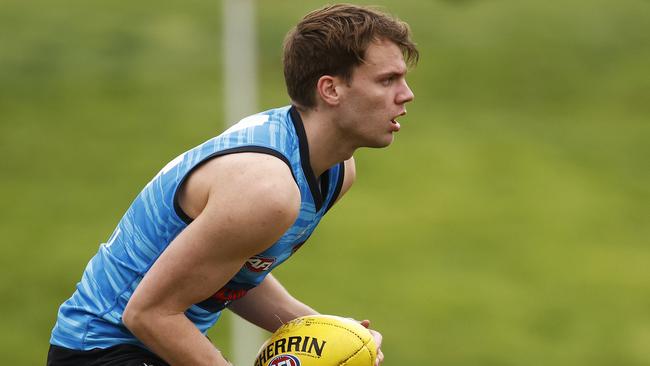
pixel 346 328
pixel 365 346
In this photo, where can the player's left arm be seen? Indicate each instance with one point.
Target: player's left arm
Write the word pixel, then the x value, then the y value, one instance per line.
pixel 349 177
pixel 348 180
pixel 269 305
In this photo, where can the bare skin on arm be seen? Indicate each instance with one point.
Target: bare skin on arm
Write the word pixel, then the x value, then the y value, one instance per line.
pixel 270 305
pixel 243 203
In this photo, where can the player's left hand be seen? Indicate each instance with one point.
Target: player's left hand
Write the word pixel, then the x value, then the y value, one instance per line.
pixel 377 336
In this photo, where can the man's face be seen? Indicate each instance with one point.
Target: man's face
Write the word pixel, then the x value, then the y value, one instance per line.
pixel 375 96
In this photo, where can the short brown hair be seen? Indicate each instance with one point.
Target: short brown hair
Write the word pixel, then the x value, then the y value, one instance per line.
pixel 332 41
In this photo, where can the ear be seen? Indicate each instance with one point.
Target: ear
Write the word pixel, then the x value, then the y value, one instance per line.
pixel 327 90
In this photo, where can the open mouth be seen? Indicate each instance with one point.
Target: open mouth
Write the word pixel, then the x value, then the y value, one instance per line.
pixel 396 126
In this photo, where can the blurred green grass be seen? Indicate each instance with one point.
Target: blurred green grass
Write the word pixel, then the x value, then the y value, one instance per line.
pixel 507 225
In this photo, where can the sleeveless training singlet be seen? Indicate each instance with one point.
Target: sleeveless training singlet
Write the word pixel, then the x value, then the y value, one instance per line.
pixel 92 317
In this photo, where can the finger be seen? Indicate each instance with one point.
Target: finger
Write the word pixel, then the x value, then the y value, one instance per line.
pixel 365 323
pixel 380 357
pixel 377 337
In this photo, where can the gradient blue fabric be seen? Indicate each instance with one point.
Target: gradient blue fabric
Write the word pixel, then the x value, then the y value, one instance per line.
pixel 92 316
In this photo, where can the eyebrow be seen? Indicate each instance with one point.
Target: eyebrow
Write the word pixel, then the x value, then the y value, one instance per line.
pixel 391 73
pixel 394 70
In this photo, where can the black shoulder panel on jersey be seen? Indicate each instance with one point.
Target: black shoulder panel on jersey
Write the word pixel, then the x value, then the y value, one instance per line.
pixel 339 186
pixel 304 158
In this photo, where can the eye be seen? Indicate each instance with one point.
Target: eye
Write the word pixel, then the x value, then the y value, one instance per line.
pixel 387 81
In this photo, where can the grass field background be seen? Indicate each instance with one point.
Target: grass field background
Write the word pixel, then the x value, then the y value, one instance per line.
pixel 509 223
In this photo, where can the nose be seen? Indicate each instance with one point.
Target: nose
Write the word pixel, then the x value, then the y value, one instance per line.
pixel 405 94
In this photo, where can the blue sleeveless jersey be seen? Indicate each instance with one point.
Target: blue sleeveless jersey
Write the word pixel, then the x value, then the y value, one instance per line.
pixel 92 317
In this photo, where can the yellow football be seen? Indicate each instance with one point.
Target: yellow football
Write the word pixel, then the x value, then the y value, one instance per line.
pixel 319 340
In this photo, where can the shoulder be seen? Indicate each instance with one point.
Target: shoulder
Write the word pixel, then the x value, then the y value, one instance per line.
pixel 254 173
pixel 350 175
pixel 252 199
pixel 242 179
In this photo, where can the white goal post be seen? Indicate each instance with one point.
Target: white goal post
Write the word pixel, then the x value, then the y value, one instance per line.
pixel 240 100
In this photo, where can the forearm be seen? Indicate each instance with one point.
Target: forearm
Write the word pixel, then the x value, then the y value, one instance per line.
pixel 175 339
pixel 269 305
pixel 272 317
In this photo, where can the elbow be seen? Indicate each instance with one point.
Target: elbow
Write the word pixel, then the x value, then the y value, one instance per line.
pixel 132 318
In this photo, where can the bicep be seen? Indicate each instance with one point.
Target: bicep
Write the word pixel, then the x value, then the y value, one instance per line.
pixel 244 215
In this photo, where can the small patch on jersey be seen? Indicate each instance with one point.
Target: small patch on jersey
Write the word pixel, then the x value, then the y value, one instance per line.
pixel 228 294
pixel 259 264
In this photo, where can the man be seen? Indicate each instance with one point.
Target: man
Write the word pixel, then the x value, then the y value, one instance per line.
pixel 204 233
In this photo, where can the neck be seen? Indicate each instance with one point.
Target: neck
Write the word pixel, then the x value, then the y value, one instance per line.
pixel 327 145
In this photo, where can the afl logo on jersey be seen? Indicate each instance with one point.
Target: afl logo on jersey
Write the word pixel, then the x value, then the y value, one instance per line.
pixel 285 360
pixel 259 264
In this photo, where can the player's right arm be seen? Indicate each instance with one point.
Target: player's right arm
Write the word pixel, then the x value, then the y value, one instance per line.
pixel 243 203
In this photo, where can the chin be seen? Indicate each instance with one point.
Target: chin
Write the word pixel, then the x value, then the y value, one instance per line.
pixel 381 143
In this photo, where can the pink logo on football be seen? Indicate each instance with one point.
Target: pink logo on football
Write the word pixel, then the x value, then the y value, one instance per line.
pixel 284 360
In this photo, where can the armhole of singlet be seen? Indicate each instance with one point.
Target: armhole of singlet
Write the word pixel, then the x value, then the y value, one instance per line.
pixel 339 186
pixel 241 149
